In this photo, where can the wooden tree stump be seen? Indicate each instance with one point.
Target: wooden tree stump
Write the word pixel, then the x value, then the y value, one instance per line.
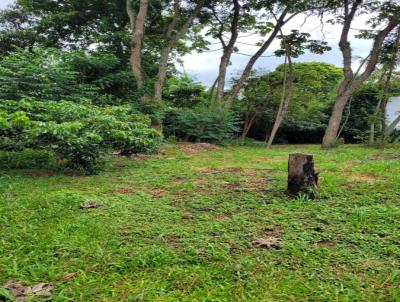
pixel 302 178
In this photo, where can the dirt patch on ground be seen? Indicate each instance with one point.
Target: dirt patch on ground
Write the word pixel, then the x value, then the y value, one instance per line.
pixel 147 156
pixel 271 231
pixel 365 178
pixel 251 179
pixel 157 193
pixel 392 156
pixel 198 147
pixel 252 184
pixel 122 190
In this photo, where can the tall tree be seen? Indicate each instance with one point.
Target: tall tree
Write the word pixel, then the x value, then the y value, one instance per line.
pixel 278 13
pixel 137 23
pixel 226 14
pixel 389 12
pixel 177 28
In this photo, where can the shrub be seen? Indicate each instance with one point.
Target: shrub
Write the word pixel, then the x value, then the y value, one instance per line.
pixel 77 133
pixel 26 158
pixel 201 124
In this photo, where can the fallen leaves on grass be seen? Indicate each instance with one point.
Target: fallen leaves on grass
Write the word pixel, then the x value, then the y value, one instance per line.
pixel 69 276
pixel 22 292
pixel 91 204
pixel 269 242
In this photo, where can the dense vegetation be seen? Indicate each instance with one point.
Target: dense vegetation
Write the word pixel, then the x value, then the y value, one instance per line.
pixel 107 193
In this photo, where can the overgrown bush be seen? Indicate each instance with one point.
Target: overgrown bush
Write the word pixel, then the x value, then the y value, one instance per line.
pixel 80 134
pixel 26 158
pixel 201 124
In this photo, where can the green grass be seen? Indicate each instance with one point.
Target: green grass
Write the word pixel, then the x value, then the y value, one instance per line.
pixel 180 226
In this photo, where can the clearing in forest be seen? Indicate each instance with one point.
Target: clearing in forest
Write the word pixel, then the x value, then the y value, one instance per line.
pixel 209 225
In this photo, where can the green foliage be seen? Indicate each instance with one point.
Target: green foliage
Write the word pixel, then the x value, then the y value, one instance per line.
pixel 361 111
pixel 40 74
pixel 183 92
pixel 77 133
pixel 314 89
pixel 201 124
pixel 26 159
pixel 56 75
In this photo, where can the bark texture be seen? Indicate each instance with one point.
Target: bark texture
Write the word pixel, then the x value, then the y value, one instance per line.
pixel 172 36
pixel 286 96
pixel 302 178
pixel 351 82
pixel 227 51
pixel 137 22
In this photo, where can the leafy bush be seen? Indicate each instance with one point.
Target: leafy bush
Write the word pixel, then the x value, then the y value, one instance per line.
pixel 40 74
pixel 201 124
pixel 26 158
pixel 80 134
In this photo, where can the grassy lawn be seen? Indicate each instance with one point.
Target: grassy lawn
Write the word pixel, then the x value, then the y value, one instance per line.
pixel 179 227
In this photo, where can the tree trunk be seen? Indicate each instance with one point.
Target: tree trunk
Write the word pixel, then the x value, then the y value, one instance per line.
pixel 350 84
pixel 334 121
pixel 392 126
pixel 302 178
pixel 372 127
pixel 249 120
pixel 286 96
pixel 137 26
pixel 228 49
pixel 385 97
pixel 247 70
pixel 221 78
pixel 170 43
pixel 161 75
pixel 211 91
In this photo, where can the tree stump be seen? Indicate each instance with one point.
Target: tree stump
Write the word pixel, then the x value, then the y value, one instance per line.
pixel 302 178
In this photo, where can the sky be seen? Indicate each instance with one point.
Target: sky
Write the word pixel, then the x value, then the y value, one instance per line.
pixel 204 66
pixel 4 3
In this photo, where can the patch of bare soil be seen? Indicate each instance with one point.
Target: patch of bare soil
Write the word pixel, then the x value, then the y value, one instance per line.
pixel 173 240
pixel 253 179
pixel 122 190
pixel 146 156
pixel 392 156
pixel 198 147
pixel 271 231
pixel 157 193
pixel 365 178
